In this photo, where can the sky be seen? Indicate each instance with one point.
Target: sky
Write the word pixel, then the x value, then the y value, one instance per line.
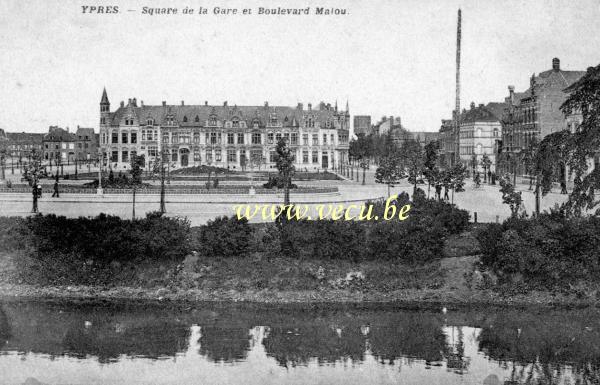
pixel 385 57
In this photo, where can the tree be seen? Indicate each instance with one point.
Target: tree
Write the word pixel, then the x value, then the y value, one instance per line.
pixel 361 149
pixel 284 161
pixel 527 158
pixel 413 161
pixel 486 162
pixel 549 163
pixel 389 171
pixel 584 98
pixel 137 167
pixel 431 158
pixel 509 196
pixel 473 164
pixel 457 175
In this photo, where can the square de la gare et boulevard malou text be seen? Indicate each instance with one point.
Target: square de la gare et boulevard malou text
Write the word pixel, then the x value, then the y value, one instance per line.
pixel 215 10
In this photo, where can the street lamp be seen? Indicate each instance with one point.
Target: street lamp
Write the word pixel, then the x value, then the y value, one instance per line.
pixel 101 157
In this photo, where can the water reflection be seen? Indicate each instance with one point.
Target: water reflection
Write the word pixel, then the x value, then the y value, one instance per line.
pixel 118 343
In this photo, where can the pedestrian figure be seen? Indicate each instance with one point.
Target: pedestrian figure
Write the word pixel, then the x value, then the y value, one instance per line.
pixel 438 191
pixel 563 188
pixel 55 194
pixel 39 189
pixel 446 197
pixel 34 192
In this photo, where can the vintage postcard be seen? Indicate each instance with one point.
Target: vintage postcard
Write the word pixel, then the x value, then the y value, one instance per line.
pixel 299 192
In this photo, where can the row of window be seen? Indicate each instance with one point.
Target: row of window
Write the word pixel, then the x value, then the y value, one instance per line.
pixel 215 138
pixel 234 123
pixel 477 134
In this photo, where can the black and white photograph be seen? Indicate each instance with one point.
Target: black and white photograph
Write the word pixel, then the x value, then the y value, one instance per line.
pixel 271 192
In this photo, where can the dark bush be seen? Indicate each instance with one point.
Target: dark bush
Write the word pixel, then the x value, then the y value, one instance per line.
pixel 85 250
pixel 12 233
pixel 224 237
pixel 326 239
pixel 545 252
pixel 416 240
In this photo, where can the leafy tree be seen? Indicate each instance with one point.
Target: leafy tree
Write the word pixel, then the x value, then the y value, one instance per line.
pixel 527 157
pixel 431 157
pixel 549 162
pixel 284 160
pixel 486 162
pixel 584 98
pixel 509 196
pixel 137 167
pixel 361 149
pixel 456 178
pixel 473 164
pixel 413 160
pixel 389 171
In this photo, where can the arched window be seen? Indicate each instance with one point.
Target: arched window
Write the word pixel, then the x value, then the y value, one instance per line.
pixel 150 122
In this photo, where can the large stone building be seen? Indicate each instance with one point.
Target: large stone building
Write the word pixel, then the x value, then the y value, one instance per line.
pixel 536 112
pixel 238 137
pixel 480 133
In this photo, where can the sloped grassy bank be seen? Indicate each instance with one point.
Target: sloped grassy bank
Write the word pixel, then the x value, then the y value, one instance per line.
pixel 435 257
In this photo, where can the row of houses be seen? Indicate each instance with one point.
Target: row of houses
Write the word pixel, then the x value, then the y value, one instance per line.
pixel 58 145
pixel 504 130
pixel 392 126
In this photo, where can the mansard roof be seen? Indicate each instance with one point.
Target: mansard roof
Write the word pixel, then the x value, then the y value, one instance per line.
pixel 288 116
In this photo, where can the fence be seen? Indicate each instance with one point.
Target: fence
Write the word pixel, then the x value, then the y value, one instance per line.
pixel 170 190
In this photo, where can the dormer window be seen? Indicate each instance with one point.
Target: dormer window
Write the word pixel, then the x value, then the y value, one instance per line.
pixel 150 122
pixel 273 119
pixel 310 122
pixel 212 121
pixel 328 123
pixel 235 122
pixel 185 119
pixel 170 121
pixel 255 123
pixel 197 119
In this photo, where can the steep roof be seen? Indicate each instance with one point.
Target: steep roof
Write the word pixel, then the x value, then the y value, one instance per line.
pixel 287 115
pixel 104 99
pixel 482 114
pixel 57 134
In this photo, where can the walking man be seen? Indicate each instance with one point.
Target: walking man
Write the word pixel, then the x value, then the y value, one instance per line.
pixel 55 194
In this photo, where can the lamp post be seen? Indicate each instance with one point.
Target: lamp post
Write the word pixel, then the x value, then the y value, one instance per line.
pixel 100 157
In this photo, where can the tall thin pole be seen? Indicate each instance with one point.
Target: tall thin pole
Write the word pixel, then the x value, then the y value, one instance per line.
pixel 457 106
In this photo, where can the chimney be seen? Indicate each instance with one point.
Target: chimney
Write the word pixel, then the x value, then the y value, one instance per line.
pixel 310 106
pixel 328 106
pixel 122 103
pixel 266 104
pixel 141 103
pixel 481 105
pixel 556 64
pixel 472 105
pixel 129 102
pixel 206 102
pixel 511 94
pixel 134 102
pixel 164 103
pixel 182 103
pixel 225 103
pixel 300 106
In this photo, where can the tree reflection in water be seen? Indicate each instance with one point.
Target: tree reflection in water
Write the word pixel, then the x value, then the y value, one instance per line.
pixel 549 347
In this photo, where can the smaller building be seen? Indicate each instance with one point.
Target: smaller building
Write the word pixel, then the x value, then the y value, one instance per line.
pixel 480 133
pixel 86 144
pixel 59 145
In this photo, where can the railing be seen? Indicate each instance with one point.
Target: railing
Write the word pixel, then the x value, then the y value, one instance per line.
pixel 171 190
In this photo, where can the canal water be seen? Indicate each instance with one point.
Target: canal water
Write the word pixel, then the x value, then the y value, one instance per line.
pixel 129 343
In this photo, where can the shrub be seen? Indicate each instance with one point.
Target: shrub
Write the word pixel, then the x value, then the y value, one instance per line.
pixel 325 239
pixel 224 237
pixel 549 251
pixel 12 233
pixel 416 240
pixel 82 250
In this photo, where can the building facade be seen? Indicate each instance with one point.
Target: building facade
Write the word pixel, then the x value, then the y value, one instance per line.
pixel 480 134
pixel 21 145
pixel 362 125
pixel 237 137
pixel 535 113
